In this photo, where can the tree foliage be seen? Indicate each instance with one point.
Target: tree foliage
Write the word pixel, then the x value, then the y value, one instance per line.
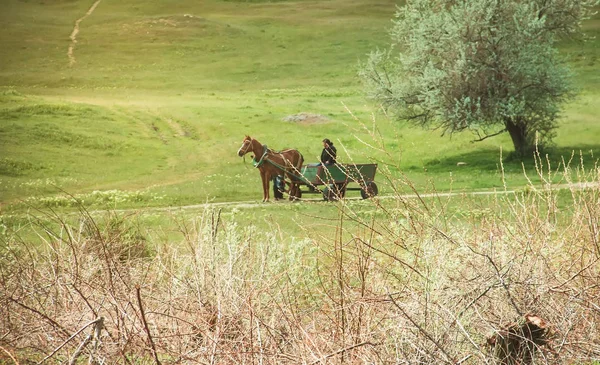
pixel 488 66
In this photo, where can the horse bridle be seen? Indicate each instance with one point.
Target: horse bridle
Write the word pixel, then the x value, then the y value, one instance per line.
pixel 248 146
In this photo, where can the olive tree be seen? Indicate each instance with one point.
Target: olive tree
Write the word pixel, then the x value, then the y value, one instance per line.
pixel 487 66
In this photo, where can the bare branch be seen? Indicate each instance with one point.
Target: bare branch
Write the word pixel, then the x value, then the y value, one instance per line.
pixel 139 299
pixel 488 136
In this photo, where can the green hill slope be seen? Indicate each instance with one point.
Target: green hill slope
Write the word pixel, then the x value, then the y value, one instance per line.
pixel 155 98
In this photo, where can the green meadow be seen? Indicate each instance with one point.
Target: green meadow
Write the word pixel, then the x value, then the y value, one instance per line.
pixel 154 100
pixel 123 200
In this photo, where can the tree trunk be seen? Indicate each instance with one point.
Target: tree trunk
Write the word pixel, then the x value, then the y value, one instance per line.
pixel 519 343
pixel 518 134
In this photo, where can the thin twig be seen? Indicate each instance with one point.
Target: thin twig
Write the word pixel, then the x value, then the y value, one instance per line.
pixel 9 355
pixel 139 298
pixel 463 360
pixel 422 330
pixel 53 322
pixel 70 338
pixel 504 285
pixel 77 352
pixel 343 350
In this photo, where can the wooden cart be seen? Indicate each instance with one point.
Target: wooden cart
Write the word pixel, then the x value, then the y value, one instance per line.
pixel 332 181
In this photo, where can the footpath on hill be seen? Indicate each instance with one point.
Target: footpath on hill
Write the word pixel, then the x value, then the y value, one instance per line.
pixel 73 36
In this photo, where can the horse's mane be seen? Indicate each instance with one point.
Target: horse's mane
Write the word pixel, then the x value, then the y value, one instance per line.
pixel 281 151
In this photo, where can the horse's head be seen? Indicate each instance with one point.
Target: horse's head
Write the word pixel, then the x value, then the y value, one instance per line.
pixel 246 146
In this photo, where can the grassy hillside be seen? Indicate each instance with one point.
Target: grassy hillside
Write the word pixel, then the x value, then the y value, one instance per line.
pixel 156 98
pixel 175 46
pixel 149 109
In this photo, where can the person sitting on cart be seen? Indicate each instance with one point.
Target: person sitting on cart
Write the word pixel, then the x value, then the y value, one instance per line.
pixel 329 153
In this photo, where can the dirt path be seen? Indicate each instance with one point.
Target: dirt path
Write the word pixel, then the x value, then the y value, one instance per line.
pixel 257 203
pixel 73 37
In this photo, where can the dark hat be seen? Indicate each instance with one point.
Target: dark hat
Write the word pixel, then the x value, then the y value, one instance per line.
pixel 326 140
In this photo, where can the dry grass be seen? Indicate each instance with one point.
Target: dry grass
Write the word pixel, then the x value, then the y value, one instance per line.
pixel 410 284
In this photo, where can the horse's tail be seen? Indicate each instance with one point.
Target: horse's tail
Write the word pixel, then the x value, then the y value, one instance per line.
pixel 300 161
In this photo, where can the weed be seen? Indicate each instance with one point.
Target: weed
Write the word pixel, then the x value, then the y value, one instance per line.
pixel 426 279
pixel 107 198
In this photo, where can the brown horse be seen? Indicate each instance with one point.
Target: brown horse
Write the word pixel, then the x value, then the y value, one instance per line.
pixel 271 163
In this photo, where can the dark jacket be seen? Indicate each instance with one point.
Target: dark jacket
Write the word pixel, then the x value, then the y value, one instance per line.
pixel 328 155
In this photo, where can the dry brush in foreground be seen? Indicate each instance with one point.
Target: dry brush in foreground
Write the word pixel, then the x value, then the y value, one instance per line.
pixel 410 281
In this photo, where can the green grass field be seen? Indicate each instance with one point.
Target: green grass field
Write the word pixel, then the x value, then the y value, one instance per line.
pixel 111 145
pixel 159 97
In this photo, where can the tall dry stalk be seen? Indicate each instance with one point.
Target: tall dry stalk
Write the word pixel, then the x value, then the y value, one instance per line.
pixel 407 280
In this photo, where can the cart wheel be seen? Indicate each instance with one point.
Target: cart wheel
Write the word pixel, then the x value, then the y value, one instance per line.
pixel 369 191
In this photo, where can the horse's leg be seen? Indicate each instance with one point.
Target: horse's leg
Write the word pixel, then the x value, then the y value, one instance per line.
pixel 262 183
pixel 297 171
pixel 263 178
pixel 266 180
pixel 292 192
pixel 267 184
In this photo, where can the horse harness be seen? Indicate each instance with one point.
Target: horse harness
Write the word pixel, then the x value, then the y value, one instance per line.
pixel 263 159
pixel 259 163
